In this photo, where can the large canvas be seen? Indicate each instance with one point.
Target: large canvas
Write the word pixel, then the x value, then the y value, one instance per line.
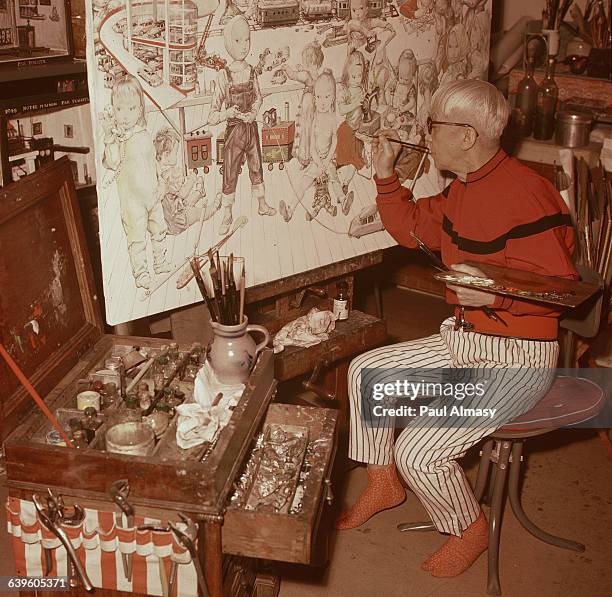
pixel 253 119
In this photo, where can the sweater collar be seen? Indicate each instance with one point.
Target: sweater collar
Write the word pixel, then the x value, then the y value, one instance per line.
pixel 487 168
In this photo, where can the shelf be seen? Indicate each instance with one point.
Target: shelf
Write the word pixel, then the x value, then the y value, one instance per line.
pixel 41 71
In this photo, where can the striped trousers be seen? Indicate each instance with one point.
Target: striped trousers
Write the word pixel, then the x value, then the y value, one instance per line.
pixel 426 451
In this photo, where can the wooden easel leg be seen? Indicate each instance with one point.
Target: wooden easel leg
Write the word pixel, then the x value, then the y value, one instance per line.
pixel 211 557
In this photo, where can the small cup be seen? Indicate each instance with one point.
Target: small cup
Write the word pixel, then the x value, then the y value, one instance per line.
pixel 88 398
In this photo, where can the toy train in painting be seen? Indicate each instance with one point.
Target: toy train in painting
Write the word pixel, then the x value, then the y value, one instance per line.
pixel 367 222
pixel 277 138
pixel 274 13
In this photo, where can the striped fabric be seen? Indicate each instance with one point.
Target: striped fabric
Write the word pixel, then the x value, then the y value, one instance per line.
pixel 99 542
pixel 425 454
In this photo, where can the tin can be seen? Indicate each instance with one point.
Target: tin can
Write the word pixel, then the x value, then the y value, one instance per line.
pixel 573 128
pixel 88 398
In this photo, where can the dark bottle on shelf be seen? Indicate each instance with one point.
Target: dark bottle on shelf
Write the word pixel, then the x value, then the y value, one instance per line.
pixel 341 301
pixel 526 100
pixel 90 423
pixel 548 93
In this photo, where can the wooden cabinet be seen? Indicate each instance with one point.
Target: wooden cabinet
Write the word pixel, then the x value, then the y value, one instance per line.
pixel 52 328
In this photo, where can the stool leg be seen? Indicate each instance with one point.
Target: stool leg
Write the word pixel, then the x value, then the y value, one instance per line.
pixel 483 470
pixel 517 508
pixel 495 517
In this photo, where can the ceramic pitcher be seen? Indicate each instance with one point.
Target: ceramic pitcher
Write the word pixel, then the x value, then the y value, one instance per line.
pixel 233 350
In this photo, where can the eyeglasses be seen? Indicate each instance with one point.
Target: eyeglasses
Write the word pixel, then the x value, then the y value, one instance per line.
pixel 430 124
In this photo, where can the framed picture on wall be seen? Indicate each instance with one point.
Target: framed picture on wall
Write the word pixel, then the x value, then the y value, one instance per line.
pixel 37 35
pixel 37 128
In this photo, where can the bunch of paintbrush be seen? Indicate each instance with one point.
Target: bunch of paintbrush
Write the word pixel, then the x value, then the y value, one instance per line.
pixel 594 218
pixel 224 296
pixel 554 12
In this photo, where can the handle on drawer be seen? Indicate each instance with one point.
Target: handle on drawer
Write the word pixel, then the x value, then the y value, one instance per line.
pixel 311 383
pixel 329 494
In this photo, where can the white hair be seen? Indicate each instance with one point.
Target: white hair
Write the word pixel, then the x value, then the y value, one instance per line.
pixel 473 102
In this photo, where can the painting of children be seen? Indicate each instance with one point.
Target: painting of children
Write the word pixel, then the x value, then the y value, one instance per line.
pixel 322 169
pixel 457 52
pixel 374 35
pixel 129 152
pixel 255 109
pixel 402 96
pixel 182 196
pixel 237 100
pixel 306 73
pixel 351 93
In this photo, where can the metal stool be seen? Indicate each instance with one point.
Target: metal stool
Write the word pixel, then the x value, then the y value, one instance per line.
pixel 569 401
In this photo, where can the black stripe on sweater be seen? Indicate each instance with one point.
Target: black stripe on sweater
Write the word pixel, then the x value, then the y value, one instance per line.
pixel 480 247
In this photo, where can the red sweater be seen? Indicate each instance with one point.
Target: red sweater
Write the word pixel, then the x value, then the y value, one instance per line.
pixel 504 214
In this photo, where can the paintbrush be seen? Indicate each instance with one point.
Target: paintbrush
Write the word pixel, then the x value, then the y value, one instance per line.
pixel 414 146
pixel 231 283
pixel 242 291
pixel 195 266
pixel 439 265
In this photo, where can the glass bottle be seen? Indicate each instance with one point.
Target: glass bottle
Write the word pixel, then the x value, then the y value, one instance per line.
pixel 79 439
pixel 546 107
pixel 173 352
pixel 158 373
pixel 90 423
pixel 191 368
pixel 131 410
pixel 526 101
pixel 109 398
pixel 341 309
pixel 75 424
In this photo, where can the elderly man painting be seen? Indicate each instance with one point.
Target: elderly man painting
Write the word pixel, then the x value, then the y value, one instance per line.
pixel 496 211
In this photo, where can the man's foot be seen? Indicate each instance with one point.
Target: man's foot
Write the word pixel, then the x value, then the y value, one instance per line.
pixel 226 222
pixel 459 553
pixel 162 268
pixel 348 201
pixel 266 210
pixel 384 491
pixel 284 211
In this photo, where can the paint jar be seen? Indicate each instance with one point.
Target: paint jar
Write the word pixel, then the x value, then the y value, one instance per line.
pixel 130 437
pixel 88 398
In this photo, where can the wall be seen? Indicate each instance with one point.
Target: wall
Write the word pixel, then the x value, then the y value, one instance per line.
pixel 510 11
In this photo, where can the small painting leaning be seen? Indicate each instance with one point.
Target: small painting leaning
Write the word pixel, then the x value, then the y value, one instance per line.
pixel 249 123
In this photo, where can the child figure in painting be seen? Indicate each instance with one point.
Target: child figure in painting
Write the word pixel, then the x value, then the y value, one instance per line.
pixel 306 73
pixel 402 96
pixel 351 93
pixel 457 53
pixel 238 90
pixel 182 196
pixel 128 150
pixel 322 169
pixel 428 83
pixel 375 34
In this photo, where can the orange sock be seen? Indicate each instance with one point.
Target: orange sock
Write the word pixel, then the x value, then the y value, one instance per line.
pixel 384 491
pixel 459 553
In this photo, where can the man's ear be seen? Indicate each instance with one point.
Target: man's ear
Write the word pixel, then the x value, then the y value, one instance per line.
pixel 469 138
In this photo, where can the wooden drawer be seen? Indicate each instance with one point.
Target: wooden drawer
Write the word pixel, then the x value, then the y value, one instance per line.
pixel 168 478
pixel 360 332
pixel 290 537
